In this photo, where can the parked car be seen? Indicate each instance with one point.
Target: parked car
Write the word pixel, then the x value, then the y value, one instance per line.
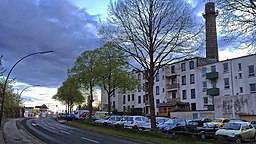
pixel 70 117
pixel 113 119
pixel 134 121
pixel 86 116
pixel 208 130
pixel 236 131
pixel 147 125
pixel 103 121
pixel 202 119
pixel 236 120
pixel 220 122
pixel 253 122
pixel 119 123
pixel 175 125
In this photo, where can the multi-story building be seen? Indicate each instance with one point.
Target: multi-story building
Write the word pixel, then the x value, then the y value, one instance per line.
pixel 192 84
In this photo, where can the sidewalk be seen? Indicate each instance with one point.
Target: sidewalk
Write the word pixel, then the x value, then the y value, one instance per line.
pixel 11 134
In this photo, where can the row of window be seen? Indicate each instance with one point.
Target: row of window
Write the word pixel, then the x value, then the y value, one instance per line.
pixel 192 94
pixel 192 79
pixel 183 66
pixel 251 69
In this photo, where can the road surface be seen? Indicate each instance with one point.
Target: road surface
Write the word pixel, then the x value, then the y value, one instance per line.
pixel 50 131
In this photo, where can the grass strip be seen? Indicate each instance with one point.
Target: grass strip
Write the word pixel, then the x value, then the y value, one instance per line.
pixel 144 137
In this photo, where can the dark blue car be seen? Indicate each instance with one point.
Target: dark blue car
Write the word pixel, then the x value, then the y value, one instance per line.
pixel 70 117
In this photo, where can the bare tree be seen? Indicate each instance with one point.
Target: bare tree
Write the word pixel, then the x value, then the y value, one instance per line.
pixel 153 33
pixel 238 21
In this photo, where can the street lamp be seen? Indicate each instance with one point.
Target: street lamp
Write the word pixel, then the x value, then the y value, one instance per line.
pixel 25 89
pixel 6 80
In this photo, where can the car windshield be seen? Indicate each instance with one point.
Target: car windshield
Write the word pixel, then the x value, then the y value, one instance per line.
pixel 209 125
pixel 253 122
pixel 232 126
pixel 106 118
pixel 118 118
pixel 173 121
pixel 217 120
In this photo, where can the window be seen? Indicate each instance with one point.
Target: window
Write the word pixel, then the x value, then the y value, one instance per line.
pixel 184 94
pixel 157 101
pixel 174 94
pixel 157 77
pixel 204 86
pixel 214 85
pixel 183 80
pixel 225 67
pixel 124 109
pixel 251 70
pixel 205 100
pixel 144 98
pixel 133 106
pixel 123 99
pixel 203 71
pixel 193 106
pixel 162 77
pixel 139 99
pixel 114 104
pixel 213 68
pixel 129 98
pixel 241 89
pixel 139 76
pixel 253 88
pixel 192 79
pixel 239 66
pixel 226 83
pixel 191 65
pixel 163 90
pixel 193 93
pixel 157 90
pixel 240 75
pixel 162 69
pixel 183 67
pixel 173 69
pixel 132 97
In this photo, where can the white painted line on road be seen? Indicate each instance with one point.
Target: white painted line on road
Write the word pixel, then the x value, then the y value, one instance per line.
pixel 34 124
pixel 90 140
pixel 64 132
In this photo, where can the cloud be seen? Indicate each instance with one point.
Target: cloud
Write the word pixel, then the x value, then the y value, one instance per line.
pixel 29 26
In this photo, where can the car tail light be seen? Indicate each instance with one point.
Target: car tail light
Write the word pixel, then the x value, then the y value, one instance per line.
pixel 132 121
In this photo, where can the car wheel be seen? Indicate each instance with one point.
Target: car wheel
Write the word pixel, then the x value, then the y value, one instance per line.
pixel 118 125
pixel 172 132
pixel 254 138
pixel 135 127
pixel 105 124
pixel 238 140
pixel 203 135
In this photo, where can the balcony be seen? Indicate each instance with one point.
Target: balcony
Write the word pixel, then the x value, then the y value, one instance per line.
pixel 172 86
pixel 213 91
pixel 212 75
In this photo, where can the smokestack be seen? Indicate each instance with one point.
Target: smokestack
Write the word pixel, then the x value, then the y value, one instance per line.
pixel 211 33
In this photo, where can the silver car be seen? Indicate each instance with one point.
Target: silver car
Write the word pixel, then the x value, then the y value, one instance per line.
pixel 133 122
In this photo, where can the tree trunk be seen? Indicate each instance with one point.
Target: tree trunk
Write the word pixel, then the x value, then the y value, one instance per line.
pixel 151 99
pixel 109 104
pixel 90 102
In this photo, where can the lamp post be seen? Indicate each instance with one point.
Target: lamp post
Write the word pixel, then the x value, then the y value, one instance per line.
pixel 25 89
pixel 6 80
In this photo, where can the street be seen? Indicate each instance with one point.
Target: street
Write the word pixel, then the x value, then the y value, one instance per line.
pixel 50 131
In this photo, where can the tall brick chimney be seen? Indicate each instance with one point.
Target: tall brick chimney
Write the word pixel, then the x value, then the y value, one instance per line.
pixel 211 33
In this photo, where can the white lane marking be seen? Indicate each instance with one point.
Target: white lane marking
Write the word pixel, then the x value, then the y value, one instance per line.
pixel 89 140
pixel 34 124
pixel 64 132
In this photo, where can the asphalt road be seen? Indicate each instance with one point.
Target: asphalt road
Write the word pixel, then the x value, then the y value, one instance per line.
pixel 50 131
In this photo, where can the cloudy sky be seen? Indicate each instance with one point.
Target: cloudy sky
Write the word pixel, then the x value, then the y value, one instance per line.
pixel 68 27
